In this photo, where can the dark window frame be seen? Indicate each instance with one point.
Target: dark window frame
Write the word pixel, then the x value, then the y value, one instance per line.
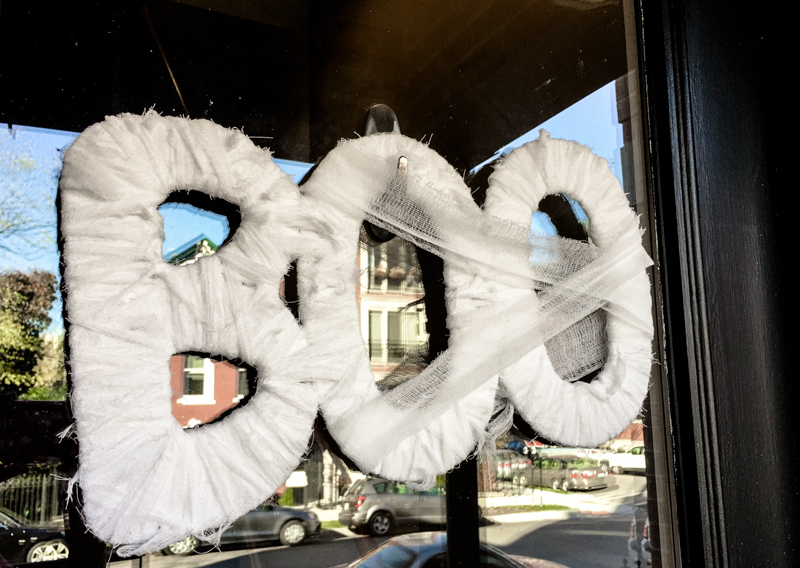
pixel 723 222
pixel 708 74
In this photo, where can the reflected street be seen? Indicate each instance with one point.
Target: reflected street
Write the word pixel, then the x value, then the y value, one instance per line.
pixel 593 534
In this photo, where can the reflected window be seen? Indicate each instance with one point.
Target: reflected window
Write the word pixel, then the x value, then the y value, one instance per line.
pixel 194 376
pixel 243 385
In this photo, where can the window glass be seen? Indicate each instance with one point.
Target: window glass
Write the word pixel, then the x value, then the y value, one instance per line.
pixel 194 362
pixel 399 556
pixel 474 80
pixel 438 561
pixel 244 387
pixel 355 488
pixel 194 383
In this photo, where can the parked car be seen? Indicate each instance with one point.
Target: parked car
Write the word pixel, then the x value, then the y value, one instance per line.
pixel 509 462
pixel 265 523
pixel 377 505
pixel 429 550
pixel 21 542
pixel 565 472
pixel 624 459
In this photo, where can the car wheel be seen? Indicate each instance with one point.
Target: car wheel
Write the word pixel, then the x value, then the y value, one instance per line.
pixel 564 485
pixel 556 484
pixel 292 533
pixel 380 523
pixel 182 547
pixel 50 550
pixel 616 469
pixel 604 465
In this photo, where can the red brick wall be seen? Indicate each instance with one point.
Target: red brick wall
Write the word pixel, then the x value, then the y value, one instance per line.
pixel 226 384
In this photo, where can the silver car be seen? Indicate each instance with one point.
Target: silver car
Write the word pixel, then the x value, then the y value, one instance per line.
pixel 377 505
pixel 267 522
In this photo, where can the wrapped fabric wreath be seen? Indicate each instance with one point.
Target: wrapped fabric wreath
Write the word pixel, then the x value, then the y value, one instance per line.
pixel 584 414
pixel 327 283
pixel 145 480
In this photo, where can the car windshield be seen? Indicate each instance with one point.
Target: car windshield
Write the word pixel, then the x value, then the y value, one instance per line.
pixel 7 521
pixel 355 488
pixel 388 556
pixel 8 517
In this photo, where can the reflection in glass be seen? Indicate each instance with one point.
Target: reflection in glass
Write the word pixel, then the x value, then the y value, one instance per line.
pixel 473 77
pixel 32 510
pixel 391 305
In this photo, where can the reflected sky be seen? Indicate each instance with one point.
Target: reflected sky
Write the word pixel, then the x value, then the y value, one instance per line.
pixel 31 159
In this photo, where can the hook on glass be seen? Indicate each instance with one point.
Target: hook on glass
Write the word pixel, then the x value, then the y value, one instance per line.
pixel 381 118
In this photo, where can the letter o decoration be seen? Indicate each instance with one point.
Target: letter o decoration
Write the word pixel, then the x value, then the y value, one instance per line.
pixel 327 284
pixel 584 414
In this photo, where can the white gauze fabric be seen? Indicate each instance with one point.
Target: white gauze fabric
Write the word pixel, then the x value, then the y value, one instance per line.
pixel 327 281
pixel 145 480
pixel 493 333
pixel 577 412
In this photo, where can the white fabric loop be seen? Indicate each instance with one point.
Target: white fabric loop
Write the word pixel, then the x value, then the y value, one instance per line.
pixel 146 480
pixel 327 282
pixel 578 413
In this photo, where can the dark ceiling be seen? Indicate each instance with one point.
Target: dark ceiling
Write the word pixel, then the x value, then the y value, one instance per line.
pixel 299 75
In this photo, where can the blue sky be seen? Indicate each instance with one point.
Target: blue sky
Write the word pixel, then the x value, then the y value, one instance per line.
pixel 591 121
pixel 184 223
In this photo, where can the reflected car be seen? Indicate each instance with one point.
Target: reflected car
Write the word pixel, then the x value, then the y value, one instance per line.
pixel 625 460
pixel 565 473
pixel 377 505
pixel 509 463
pixel 21 542
pixel 429 550
pixel 265 523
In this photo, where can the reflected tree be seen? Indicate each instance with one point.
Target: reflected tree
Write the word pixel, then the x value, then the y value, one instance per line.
pixel 25 300
pixel 27 207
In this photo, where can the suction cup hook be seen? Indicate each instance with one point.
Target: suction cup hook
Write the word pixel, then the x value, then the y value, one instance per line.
pixel 381 118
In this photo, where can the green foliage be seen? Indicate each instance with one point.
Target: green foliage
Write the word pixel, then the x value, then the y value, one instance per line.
pixel 332 525
pixel 51 392
pixel 287 499
pixel 25 299
pixel 50 376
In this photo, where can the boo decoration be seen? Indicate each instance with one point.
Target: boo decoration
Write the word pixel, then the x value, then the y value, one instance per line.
pixel 527 315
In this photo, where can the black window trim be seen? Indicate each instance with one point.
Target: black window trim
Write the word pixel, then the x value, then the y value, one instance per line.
pixel 723 218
